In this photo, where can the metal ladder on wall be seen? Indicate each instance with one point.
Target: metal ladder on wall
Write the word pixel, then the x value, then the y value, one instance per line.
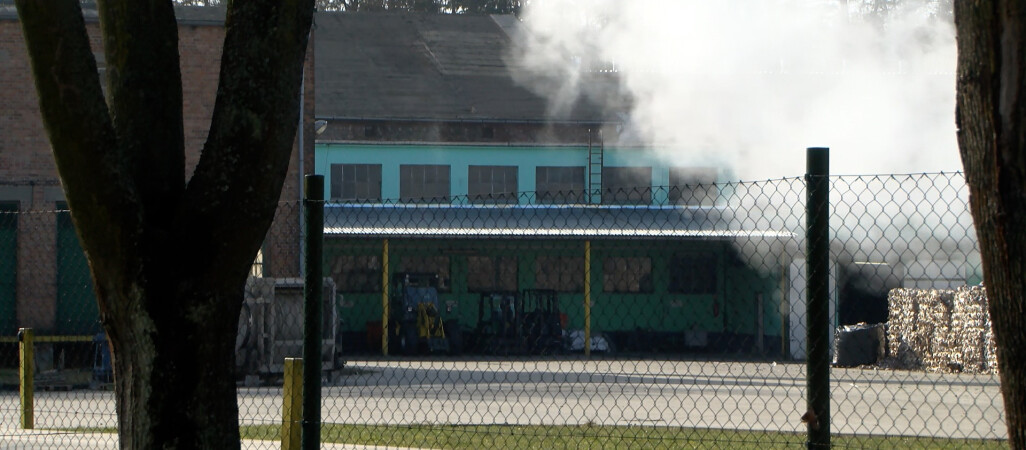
pixel 595 156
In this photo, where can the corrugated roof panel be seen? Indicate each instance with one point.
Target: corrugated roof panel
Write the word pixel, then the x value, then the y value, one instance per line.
pixel 424 66
pixel 538 221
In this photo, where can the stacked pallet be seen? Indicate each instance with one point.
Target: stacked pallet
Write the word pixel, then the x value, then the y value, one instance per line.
pixel 940 330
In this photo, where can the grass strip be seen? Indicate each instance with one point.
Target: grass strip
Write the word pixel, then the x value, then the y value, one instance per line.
pixel 511 437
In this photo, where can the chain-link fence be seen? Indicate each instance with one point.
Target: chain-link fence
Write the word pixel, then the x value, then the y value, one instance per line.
pixel 657 318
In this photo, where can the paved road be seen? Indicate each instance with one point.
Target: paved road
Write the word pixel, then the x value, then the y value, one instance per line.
pixel 730 395
pixel 51 440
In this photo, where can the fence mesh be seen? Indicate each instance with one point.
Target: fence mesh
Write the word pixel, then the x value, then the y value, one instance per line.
pixel 655 318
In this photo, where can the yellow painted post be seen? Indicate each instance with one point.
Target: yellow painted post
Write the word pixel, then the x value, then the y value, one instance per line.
pixel 384 298
pixel 587 298
pixel 26 338
pixel 292 405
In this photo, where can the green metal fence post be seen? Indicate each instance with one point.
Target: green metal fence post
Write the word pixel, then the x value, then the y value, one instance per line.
pixel 26 372
pixel 817 178
pixel 313 209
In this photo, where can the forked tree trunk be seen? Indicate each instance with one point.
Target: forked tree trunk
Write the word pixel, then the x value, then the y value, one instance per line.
pixel 991 116
pixel 177 389
pixel 169 260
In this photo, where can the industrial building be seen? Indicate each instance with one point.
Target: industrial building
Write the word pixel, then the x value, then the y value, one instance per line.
pixel 440 157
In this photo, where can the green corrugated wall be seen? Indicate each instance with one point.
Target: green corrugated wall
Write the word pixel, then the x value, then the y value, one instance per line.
pixel 8 268
pixel 77 312
pixel 730 309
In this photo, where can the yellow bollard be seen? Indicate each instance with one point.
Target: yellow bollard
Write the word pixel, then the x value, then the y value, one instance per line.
pixel 26 338
pixel 292 405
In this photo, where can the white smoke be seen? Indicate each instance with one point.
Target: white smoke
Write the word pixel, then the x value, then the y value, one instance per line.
pixel 749 84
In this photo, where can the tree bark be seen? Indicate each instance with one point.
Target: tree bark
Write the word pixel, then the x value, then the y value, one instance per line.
pixel 991 118
pixel 168 259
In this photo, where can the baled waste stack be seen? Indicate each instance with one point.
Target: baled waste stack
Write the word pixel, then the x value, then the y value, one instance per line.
pixel 940 329
pixel 912 320
pixel 974 336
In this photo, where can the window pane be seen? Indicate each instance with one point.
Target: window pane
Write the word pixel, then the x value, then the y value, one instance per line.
pixel 559 184
pixel 693 273
pixel 349 182
pixel 438 265
pixel 336 181
pixel 356 182
pixel 560 273
pixel 693 186
pixel 422 183
pixel 490 274
pixel 492 184
pixel 357 273
pixel 627 185
pixel 627 274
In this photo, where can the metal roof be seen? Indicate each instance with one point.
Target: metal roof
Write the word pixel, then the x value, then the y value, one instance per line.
pixel 535 221
pixel 409 66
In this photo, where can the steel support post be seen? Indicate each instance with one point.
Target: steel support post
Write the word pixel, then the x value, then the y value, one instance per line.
pixel 313 293
pixel 817 178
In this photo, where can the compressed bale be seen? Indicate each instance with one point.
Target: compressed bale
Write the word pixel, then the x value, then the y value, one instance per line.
pixel 902 310
pixel 936 317
pixel 989 350
pixel 940 330
pixel 918 321
pixel 971 329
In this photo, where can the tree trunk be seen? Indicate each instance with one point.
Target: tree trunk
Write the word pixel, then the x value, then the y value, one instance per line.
pixel 991 117
pixel 168 259
pixel 177 389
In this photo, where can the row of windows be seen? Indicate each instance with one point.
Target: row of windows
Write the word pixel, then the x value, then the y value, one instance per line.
pixel 693 273
pixel 499 184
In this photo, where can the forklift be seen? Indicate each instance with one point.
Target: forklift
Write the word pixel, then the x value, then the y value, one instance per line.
pixel 543 322
pixel 498 331
pixel 520 323
pixel 416 325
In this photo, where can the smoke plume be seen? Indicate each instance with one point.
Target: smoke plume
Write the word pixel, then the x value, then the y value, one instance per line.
pixel 750 84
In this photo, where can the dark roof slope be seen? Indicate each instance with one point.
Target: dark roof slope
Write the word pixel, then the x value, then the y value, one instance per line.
pixel 426 67
pixel 187 15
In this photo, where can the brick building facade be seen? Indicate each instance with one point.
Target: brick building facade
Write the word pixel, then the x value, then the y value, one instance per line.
pixel 29 183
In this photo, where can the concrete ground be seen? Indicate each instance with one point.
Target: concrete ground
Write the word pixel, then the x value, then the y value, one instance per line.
pixel 56 440
pixel 699 394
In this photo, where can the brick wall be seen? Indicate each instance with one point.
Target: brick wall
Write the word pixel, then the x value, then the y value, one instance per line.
pixel 24 152
pixel 25 157
pixel 281 249
pixel 28 174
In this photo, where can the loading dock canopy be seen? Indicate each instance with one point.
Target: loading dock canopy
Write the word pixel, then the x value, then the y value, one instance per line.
pixel 537 221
